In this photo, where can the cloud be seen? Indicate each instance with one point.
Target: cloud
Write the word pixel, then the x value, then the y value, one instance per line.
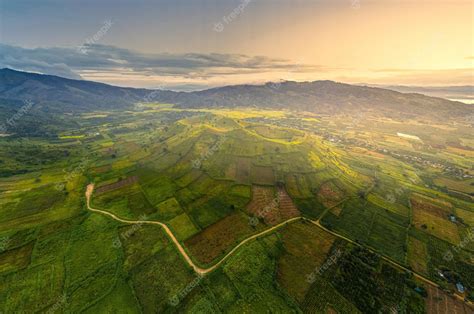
pixel 34 60
pixel 71 62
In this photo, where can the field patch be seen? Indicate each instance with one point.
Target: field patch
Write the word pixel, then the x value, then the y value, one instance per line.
pixel 117 185
pixel 241 190
pixel 388 203
pixel 417 255
pixel 466 216
pixel 464 186
pixel 298 186
pixel 125 201
pixel 243 167
pixel 439 227
pixel 305 249
pixel 287 209
pixel 388 237
pixel 262 175
pixel 440 303
pixel 219 237
pixel 139 242
pixel 329 194
pixel 262 196
pixel 251 270
pixel 101 169
pixel 159 189
pixel 157 280
pixel 430 206
pixel 168 209
pixel 182 227
pixel 34 201
pixel 15 259
pixel 433 218
pixel 323 298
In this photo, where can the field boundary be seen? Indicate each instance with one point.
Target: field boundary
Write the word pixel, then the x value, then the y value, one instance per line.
pixel 204 271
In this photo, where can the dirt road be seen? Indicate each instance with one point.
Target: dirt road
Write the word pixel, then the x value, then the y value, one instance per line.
pixel 204 271
pixel 197 269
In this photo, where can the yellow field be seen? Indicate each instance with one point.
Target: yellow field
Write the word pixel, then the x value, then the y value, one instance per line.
pixel 66 137
pixel 458 185
pixel 439 227
pixel 465 215
pixel 417 255
pixel 459 151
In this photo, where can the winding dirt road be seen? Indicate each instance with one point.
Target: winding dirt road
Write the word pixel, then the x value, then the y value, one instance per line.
pixel 197 269
pixel 204 271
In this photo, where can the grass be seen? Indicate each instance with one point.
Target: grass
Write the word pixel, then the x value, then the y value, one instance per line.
pixel 305 250
pixel 158 279
pixel 417 255
pixel 139 243
pixel 183 227
pixel 388 203
pixel 15 259
pixel 322 296
pixel 434 225
pixel 389 238
pixel 251 272
pixel 55 247
pixel 168 209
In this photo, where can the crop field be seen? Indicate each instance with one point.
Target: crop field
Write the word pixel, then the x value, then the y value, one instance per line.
pixel 262 175
pixel 262 197
pixel 305 248
pixel 287 208
pixel 465 186
pixel 216 177
pixel 439 302
pixel 417 255
pixel 329 194
pixel 219 237
pixel 324 298
pixel 434 219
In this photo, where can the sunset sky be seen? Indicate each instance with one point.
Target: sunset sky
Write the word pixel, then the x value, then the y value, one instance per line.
pixel 201 43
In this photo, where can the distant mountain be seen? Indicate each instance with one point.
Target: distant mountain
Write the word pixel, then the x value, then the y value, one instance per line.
pixel 326 97
pixel 56 92
pixel 449 92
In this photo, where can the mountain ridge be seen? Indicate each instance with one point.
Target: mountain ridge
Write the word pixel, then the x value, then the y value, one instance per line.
pixel 322 96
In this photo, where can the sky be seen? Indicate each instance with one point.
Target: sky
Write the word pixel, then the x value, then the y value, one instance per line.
pixel 197 44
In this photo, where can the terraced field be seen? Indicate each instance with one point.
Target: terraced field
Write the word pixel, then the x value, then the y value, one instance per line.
pixel 211 211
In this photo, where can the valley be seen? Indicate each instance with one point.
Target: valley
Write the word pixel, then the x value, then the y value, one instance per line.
pixel 230 209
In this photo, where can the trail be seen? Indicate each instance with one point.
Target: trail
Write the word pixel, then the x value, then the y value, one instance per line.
pixel 197 269
pixel 204 271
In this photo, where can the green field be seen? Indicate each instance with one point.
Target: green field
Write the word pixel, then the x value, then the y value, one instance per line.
pixel 196 171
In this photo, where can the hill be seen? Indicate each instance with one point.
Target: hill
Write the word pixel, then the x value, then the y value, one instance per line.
pixel 325 97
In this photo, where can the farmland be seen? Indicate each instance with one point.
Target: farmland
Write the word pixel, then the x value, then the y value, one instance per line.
pixel 216 177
